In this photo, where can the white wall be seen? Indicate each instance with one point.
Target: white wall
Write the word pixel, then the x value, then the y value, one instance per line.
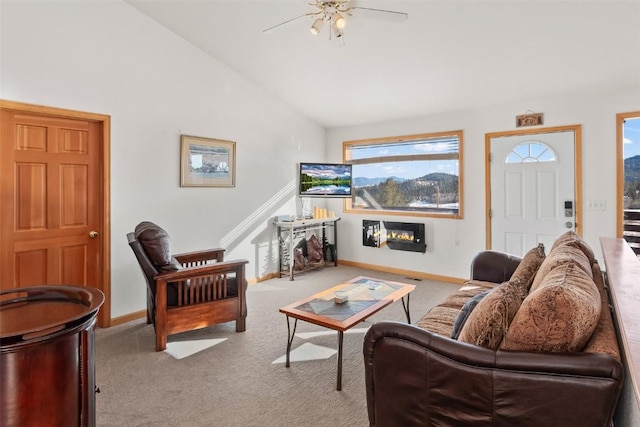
pixel 105 57
pixel 595 112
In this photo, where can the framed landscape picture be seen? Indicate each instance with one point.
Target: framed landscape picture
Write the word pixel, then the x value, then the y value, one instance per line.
pixel 206 162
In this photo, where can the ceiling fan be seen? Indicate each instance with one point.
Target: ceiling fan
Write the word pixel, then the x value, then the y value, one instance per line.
pixel 332 14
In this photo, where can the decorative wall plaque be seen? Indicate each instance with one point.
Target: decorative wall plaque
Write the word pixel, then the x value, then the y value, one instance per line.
pixel 531 119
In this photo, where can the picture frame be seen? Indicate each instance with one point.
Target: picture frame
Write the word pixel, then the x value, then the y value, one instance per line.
pixel 207 162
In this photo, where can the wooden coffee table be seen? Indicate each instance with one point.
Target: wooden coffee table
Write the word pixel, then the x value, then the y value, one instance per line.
pixel 367 296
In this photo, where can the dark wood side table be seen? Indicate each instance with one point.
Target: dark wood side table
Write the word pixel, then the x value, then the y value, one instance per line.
pixel 47 349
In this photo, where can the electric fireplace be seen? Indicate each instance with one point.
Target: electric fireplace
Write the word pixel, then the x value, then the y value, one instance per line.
pixel 405 236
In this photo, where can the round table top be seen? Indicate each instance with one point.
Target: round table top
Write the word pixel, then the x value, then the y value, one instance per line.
pixel 37 311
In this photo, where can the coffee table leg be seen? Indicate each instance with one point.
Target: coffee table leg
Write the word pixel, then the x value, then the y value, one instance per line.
pixel 290 337
pixel 406 307
pixel 340 339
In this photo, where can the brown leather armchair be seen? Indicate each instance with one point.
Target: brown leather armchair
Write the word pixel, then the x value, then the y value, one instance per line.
pixel 190 290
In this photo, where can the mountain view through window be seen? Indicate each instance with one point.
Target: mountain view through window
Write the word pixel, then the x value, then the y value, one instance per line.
pixel 417 173
pixel 631 155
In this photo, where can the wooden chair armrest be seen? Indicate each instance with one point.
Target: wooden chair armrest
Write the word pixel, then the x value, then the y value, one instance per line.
pixel 199 256
pixel 202 270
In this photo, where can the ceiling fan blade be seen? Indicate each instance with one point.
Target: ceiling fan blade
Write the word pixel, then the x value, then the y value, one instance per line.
pixel 283 23
pixel 390 15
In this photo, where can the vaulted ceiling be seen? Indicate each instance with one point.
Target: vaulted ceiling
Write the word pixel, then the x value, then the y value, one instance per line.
pixel 449 55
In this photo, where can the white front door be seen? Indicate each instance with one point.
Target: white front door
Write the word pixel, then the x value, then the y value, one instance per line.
pixel 533 196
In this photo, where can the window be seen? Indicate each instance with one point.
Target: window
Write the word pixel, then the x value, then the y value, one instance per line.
pixel 410 175
pixel 629 178
pixel 531 152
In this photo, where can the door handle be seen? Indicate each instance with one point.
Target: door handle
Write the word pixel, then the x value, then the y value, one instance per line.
pixel 568 224
pixel 93 234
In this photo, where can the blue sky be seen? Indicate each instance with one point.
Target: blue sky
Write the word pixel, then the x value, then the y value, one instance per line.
pixel 631 137
pixel 409 170
pixel 405 169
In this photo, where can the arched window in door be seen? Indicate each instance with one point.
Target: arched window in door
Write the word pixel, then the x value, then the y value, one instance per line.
pixel 531 151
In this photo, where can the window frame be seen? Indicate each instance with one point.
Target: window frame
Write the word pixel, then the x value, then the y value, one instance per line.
pixel 620 119
pixel 347 204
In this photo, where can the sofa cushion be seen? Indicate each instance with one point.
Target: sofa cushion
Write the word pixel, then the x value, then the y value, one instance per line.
pixel 529 265
pixel 572 239
pixel 603 339
pixel 463 315
pixel 558 256
pixel 156 244
pixel 559 316
pixel 440 319
pixel 489 321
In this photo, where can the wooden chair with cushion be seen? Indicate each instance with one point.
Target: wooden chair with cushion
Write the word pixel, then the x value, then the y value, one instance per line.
pixel 187 291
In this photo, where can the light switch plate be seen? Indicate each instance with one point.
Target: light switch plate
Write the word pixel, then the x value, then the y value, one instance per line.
pixel 596 205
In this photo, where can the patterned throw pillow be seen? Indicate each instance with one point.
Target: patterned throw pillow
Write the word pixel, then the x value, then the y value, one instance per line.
pixel 528 267
pixel 572 239
pixel 489 321
pixel 558 256
pixel 559 316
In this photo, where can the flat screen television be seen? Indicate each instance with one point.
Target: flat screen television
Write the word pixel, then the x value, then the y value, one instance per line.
pixel 325 180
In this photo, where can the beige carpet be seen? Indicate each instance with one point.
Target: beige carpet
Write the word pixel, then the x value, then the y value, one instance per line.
pixel 217 377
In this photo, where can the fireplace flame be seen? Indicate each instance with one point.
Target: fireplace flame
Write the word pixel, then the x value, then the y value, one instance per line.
pixel 400 235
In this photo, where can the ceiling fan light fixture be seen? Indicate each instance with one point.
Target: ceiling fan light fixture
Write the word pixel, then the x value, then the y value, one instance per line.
pixel 337 32
pixel 332 12
pixel 316 26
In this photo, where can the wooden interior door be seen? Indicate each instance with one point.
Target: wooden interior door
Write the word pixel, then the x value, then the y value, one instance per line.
pixel 51 221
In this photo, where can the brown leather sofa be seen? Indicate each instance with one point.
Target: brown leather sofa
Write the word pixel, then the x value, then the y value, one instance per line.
pixel 420 377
